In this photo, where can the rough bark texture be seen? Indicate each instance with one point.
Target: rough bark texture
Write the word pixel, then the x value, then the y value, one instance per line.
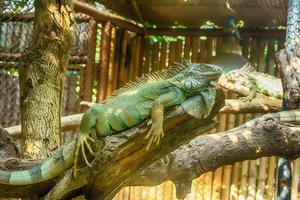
pixel 41 77
pixel 7 147
pixel 204 153
pixel 124 154
pixel 207 153
pixel 260 104
pixel 288 61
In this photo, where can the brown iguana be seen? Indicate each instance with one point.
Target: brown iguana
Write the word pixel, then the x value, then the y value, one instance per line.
pixel 191 85
pixel 247 82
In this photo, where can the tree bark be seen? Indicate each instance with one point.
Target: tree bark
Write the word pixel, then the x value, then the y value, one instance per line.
pixel 41 77
pixel 268 137
pixel 265 138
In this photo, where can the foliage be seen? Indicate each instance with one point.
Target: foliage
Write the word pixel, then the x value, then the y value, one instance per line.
pixel 17 6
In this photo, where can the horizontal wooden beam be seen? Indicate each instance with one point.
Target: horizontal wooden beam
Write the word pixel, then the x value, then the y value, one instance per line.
pixel 214 32
pixel 29 17
pixel 14 57
pixel 103 16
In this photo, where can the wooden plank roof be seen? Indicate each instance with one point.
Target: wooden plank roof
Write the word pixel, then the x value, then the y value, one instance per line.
pixel 194 13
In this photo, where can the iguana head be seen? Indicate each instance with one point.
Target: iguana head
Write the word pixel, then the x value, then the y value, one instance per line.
pixel 197 77
pixel 237 80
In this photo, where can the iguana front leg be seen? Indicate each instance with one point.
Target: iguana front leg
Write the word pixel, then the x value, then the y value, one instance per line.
pixel 251 95
pixel 157 114
pixel 156 130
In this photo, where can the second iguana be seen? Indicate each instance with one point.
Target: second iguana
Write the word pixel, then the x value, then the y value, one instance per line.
pixel 191 85
pixel 247 82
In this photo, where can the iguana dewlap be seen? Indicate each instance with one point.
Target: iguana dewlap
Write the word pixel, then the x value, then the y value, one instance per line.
pixel 247 82
pixel 191 85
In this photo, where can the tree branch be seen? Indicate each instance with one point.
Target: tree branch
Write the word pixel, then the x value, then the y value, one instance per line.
pixel 124 154
pixel 268 137
pixel 260 104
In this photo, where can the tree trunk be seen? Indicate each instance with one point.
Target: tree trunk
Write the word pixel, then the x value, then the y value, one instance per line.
pixel 41 77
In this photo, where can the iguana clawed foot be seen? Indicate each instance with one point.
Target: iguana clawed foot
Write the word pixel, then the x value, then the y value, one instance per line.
pixel 246 99
pixel 154 135
pixel 81 145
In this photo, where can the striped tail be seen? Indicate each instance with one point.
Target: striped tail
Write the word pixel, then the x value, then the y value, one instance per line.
pixel 61 161
pixel 292 116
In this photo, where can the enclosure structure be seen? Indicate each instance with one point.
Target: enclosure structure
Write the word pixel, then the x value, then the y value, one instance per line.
pixel 110 51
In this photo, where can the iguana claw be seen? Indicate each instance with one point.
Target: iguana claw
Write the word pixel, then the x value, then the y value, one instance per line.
pixel 81 144
pixel 154 135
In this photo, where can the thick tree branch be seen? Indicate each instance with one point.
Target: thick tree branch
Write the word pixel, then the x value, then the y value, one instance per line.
pixel 288 61
pixel 124 154
pixel 208 152
pixel 260 104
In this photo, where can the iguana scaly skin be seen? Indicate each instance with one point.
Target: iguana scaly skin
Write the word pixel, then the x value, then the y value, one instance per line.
pixel 247 82
pixel 291 116
pixel 191 85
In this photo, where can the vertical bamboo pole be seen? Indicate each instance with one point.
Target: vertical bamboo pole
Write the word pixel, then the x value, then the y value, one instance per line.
pixel 270 183
pixel 105 53
pixel 226 182
pixel 209 48
pixel 172 47
pixel 112 69
pixel 155 57
pixel 137 62
pixel 163 56
pixel 208 177
pixel 219 45
pixel 117 51
pixel 131 59
pixel 244 180
pixel 123 69
pixel 252 173
pixel 86 74
pixel 235 181
pixel 270 57
pixel 253 52
pixel 203 51
pixel 261 55
pixel 261 179
pixel 147 56
pixel 195 47
pixel 295 179
pixel 230 121
pixel 218 174
pixel 187 47
pixel 178 51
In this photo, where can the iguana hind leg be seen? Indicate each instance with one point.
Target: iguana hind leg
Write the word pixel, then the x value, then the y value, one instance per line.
pixel 94 119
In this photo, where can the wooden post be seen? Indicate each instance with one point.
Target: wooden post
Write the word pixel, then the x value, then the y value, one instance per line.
pixel 163 56
pixel 288 61
pixel 112 66
pixel 271 177
pixel 105 52
pixel 86 74
pixel 123 79
pixel 187 47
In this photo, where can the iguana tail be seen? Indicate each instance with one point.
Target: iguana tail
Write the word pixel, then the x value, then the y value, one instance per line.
pixel 292 116
pixel 61 161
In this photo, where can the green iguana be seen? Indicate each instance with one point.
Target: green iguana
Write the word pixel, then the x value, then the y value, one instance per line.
pixel 247 82
pixel 191 85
